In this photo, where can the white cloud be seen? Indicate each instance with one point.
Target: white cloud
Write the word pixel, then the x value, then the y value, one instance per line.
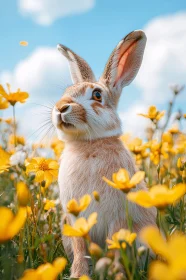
pixel 132 123
pixel 45 12
pixel 43 74
pixel 165 57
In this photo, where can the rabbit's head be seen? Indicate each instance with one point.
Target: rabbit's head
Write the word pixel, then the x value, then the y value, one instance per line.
pixel 87 110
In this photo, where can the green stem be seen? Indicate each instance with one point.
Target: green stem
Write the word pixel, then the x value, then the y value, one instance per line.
pixel 126 264
pixel 14 126
pixel 129 221
pixel 182 214
pixel 29 248
pixel 171 104
pixel 162 223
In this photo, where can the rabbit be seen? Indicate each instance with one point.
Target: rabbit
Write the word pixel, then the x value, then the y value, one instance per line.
pixel 86 119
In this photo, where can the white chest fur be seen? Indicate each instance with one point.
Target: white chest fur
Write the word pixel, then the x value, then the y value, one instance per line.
pixel 82 167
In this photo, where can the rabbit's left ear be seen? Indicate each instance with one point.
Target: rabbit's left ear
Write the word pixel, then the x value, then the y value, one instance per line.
pixel 79 68
pixel 125 61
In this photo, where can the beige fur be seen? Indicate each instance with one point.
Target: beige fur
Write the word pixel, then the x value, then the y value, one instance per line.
pixel 91 130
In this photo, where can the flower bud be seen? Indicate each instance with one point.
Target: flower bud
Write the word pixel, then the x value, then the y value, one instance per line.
pixel 95 250
pixel 119 276
pixel 43 183
pixel 23 193
pixel 96 196
pixel 141 250
pixel 31 178
pixel 102 265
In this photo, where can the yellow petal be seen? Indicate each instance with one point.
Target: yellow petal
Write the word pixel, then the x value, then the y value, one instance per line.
pixel 140 197
pixel 178 191
pixel 160 115
pixel 137 178
pixel 84 277
pixel 59 264
pixel 109 182
pixel 31 167
pixel 6 219
pixel 23 43
pixel 144 115
pixel 18 222
pixel 30 274
pixel 81 225
pixel 70 231
pixel 92 219
pixel 152 237
pixel 39 176
pixel 23 193
pixel 53 165
pixel 47 272
pixel 48 178
pixel 3 92
pixel 160 271
pixel 85 201
pixel 73 207
pixel 152 111
pixel 122 176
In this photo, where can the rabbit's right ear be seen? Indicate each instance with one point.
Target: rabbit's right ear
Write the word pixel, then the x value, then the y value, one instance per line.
pixel 79 68
pixel 124 62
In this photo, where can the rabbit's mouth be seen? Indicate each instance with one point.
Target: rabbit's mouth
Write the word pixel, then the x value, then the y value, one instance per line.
pixel 67 125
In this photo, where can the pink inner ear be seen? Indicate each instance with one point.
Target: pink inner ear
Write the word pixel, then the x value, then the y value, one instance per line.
pixel 122 57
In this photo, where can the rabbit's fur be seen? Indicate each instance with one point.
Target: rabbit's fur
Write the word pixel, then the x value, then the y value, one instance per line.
pixel 91 131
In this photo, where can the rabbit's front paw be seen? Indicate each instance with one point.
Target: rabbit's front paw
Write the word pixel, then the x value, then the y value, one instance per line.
pixel 79 267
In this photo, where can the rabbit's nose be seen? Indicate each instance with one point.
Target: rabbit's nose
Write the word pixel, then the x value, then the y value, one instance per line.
pixel 65 109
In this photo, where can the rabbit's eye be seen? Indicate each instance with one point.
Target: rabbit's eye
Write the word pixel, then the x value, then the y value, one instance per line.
pixel 96 95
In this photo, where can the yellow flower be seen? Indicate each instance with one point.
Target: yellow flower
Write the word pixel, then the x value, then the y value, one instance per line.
pixel 57 146
pixel 46 271
pixel 126 138
pixel 84 277
pixel 172 252
pixel 122 181
pixel 158 150
pixel 23 43
pixel 4 160
pixel 29 211
pixel 137 147
pixel 120 238
pixel 159 195
pixel 75 208
pixel 11 224
pixel 3 103
pixel 174 130
pixel 38 146
pixel 13 97
pixel 19 140
pixel 95 250
pixel 44 169
pixel 96 195
pixel 181 163
pixel 81 226
pixel 23 194
pixel 9 121
pixel 153 114
pixel 49 204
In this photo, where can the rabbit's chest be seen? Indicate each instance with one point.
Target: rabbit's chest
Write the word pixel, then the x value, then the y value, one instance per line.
pixel 81 173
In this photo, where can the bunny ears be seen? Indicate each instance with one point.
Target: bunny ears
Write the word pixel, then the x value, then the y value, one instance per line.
pixel 125 61
pixel 79 68
pixel 121 68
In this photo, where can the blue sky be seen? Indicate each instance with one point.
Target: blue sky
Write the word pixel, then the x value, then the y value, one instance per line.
pixel 93 34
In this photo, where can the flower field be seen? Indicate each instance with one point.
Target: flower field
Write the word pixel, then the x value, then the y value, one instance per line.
pixel 30 211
